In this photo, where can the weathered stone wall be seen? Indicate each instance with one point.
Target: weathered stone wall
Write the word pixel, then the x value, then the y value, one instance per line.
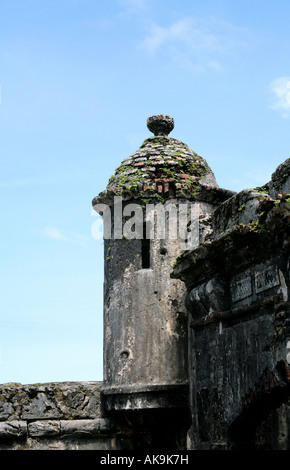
pixel 195 359
pixel 54 416
pixel 144 316
pixel 238 285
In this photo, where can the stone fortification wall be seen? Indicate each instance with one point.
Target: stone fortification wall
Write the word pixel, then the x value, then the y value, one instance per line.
pixel 233 312
pixel 60 416
pixel 238 292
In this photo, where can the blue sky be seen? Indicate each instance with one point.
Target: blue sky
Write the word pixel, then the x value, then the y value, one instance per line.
pixel 78 80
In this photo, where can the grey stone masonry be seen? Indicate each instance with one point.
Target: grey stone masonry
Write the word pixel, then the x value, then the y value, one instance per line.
pixel 54 416
pixel 51 401
pixel 238 291
pixel 196 335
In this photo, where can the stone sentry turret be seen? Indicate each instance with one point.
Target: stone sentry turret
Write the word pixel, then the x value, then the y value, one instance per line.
pixel 145 320
pixel 196 320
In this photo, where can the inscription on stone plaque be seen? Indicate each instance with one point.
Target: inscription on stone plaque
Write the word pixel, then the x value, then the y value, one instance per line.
pixel 241 288
pixel 266 278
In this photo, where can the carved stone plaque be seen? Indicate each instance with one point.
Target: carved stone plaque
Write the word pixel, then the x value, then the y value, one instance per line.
pixel 266 278
pixel 241 288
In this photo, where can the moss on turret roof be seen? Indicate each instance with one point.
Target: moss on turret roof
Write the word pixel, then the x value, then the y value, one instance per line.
pixel 162 167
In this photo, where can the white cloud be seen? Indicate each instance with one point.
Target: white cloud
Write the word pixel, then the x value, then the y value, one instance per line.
pixel 185 32
pixel 132 7
pixel 196 42
pixel 137 4
pixel 55 234
pixel 280 90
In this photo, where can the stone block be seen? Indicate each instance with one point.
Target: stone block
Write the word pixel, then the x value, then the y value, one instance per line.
pixel 82 427
pixel 241 209
pixel 41 407
pixel 44 428
pixel 13 430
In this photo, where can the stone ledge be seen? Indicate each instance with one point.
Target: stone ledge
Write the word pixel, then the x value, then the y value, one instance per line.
pixel 266 233
pixel 13 430
pixel 261 307
pixel 87 428
pixel 139 397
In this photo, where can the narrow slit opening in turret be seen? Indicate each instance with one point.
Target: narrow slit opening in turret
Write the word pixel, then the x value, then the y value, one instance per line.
pixel 145 253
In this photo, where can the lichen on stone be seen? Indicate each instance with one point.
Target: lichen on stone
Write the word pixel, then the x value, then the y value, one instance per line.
pixel 160 166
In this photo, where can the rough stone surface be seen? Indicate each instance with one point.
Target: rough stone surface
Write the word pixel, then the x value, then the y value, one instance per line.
pixel 68 400
pixel 196 339
pixel 13 429
pixel 162 168
pixel 160 125
pixel 135 298
pixel 238 298
pixel 55 416
pixel 280 181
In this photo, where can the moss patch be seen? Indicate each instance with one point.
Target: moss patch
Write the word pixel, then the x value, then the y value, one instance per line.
pixel 159 161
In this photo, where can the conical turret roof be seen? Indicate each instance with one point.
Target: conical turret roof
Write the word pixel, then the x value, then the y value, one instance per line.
pixel 163 167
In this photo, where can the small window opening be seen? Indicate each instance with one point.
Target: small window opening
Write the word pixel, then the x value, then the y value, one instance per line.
pixel 145 253
pixel 145 245
pixel 145 248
